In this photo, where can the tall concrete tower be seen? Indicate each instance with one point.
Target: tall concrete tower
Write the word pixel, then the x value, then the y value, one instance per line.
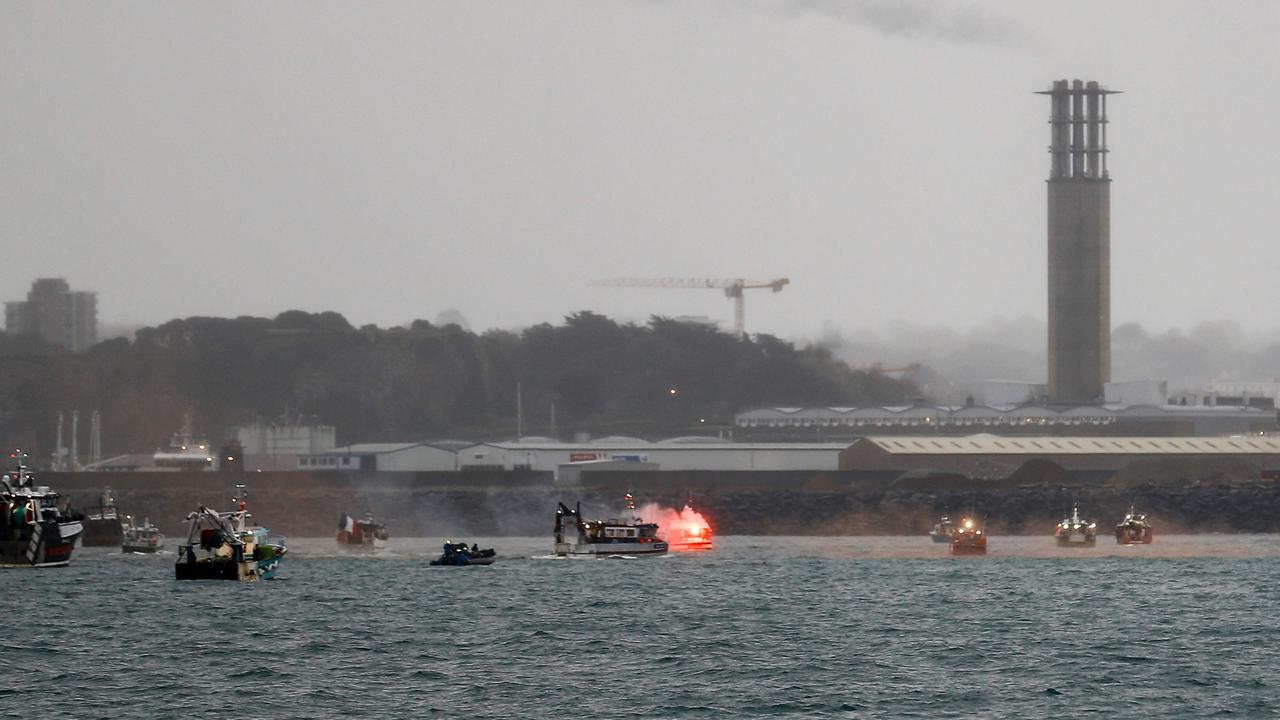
pixel 1079 243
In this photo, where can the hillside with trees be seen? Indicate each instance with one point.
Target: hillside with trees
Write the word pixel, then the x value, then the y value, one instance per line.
pixel 417 382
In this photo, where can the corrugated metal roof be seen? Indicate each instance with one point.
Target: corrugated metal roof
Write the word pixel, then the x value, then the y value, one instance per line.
pixel 371 448
pixel 695 447
pixel 995 445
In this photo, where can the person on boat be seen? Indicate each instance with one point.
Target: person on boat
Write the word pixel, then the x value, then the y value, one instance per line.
pixel 475 549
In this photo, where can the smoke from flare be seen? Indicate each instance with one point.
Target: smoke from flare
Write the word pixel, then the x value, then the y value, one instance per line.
pixel 670 520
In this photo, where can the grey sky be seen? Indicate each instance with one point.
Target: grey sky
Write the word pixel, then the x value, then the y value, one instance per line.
pixel 391 160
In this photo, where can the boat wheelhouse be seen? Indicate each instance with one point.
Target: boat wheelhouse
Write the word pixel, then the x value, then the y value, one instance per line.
pixel 1075 531
pixel 224 546
pixel 35 529
pixel 613 537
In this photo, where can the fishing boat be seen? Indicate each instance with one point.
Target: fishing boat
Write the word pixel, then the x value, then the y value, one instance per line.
pixel 968 538
pixel 943 530
pixel 459 554
pixel 628 536
pixel 690 538
pixel 1135 529
pixel 102 525
pixel 1075 531
pixel 144 538
pixel 224 546
pixel 361 533
pixel 35 530
pixel 690 531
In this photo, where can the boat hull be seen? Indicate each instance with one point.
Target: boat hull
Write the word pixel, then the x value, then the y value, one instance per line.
pixel 102 532
pixel 227 569
pixel 465 561
pixel 1077 540
pixel 47 544
pixel 1133 537
pixel 690 546
pixel 970 547
pixel 605 549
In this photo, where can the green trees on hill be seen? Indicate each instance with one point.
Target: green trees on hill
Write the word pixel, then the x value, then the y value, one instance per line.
pixel 417 382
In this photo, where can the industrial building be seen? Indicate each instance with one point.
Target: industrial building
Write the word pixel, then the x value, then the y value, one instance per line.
pixel 383 457
pixel 989 456
pixel 55 313
pixel 279 445
pixel 685 453
pixel 832 423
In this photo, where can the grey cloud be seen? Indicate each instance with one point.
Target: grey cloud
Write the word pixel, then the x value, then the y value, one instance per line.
pixel 950 22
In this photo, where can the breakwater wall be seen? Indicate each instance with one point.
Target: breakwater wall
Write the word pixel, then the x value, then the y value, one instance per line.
pixel 308 504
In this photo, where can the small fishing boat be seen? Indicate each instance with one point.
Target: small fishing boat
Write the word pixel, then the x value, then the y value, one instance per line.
pixel 943 530
pixel 1075 531
pixel 690 538
pixel 968 539
pixel 361 533
pixel 690 530
pixel 224 546
pixel 144 538
pixel 458 554
pixel 1135 529
pixel 35 530
pixel 102 525
pixel 625 537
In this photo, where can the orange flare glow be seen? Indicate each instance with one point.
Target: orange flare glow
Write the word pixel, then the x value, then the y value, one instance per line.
pixel 686 529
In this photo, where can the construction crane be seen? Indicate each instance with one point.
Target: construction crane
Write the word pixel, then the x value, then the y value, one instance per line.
pixel 732 288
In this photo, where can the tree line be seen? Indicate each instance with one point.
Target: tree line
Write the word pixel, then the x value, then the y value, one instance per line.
pixel 422 381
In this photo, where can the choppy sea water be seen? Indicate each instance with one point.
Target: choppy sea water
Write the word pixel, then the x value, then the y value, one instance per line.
pixel 781 627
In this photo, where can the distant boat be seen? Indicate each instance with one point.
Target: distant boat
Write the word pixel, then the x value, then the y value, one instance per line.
pixel 361 533
pixel 459 554
pixel 144 538
pixel 35 531
pixel 1076 531
pixel 691 530
pixel 102 525
pixel 1134 529
pixel 968 539
pixel 603 538
pixel 943 530
pixel 224 546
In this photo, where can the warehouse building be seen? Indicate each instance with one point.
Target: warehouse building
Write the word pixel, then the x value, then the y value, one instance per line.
pixel 990 456
pixel 683 453
pixel 383 457
pixel 833 423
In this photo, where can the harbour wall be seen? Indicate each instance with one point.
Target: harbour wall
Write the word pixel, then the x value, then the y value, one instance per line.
pixel 1215 498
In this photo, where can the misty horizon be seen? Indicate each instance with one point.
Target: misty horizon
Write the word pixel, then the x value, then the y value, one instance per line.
pixel 394 161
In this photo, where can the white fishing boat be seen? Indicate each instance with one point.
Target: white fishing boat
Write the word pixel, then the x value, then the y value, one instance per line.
pixel 1075 531
pixel 144 538
pixel 622 537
